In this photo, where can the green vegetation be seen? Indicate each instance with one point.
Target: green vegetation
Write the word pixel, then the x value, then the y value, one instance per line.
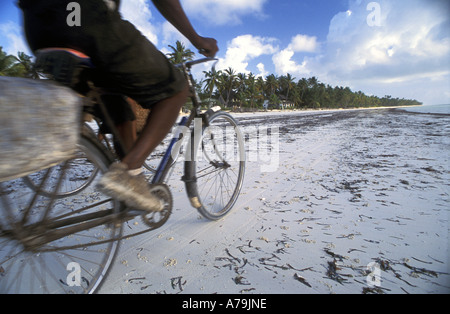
pixel 246 92
pixel 20 66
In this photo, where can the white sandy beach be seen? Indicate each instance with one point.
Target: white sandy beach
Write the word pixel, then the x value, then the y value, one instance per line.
pixel 352 189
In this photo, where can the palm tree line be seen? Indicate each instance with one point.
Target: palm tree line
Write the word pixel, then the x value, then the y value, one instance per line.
pixel 242 91
pixel 248 92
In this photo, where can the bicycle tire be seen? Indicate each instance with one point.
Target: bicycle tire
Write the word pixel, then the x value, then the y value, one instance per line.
pixel 46 269
pixel 73 186
pixel 215 166
pixel 32 181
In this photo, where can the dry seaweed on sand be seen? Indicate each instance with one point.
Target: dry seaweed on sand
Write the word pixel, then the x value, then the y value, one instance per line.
pixel 302 280
pixel 332 272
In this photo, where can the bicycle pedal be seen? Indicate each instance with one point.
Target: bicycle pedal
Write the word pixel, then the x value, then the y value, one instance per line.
pixel 158 218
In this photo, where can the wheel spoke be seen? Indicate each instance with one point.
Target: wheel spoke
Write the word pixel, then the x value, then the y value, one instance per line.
pixel 63 228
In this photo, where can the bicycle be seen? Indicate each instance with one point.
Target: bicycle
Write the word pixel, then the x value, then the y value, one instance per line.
pixel 47 224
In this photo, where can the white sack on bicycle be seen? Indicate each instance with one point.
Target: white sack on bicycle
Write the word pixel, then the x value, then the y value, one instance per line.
pixel 39 125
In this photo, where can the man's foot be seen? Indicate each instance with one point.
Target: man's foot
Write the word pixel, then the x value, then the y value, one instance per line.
pixel 132 190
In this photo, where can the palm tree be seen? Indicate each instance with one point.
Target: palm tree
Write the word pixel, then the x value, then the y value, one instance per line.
pixel 260 85
pixel 228 81
pixel 252 90
pixel 302 87
pixel 28 65
pixel 9 65
pixel 312 82
pixel 180 54
pixel 288 83
pixel 271 87
pixel 296 97
pixel 241 88
pixel 210 83
pixel 211 80
pixel 21 66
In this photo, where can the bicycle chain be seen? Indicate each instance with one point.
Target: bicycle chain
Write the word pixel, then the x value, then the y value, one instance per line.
pixel 152 220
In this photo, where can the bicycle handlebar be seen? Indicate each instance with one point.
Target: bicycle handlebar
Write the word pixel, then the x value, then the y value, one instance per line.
pixel 189 64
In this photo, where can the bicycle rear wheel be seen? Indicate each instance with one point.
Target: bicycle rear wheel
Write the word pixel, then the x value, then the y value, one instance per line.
pixel 34 258
pixel 84 172
pixel 215 167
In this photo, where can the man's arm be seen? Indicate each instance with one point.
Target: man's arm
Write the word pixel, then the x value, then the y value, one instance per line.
pixel 174 13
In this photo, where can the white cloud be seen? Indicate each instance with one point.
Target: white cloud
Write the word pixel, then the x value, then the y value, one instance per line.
pixel 405 52
pixel 262 70
pixel 283 60
pixel 304 43
pixel 15 39
pixel 411 44
pixel 217 12
pixel 222 12
pixel 245 48
pixel 170 36
pixel 138 13
pixel 284 64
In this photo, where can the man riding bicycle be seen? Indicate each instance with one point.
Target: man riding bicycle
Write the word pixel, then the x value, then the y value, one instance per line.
pixel 131 65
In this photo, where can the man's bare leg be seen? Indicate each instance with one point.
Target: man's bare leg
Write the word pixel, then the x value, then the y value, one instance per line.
pixel 128 135
pixel 159 123
pixel 133 189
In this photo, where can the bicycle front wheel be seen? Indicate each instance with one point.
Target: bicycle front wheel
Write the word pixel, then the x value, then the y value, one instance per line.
pixel 215 166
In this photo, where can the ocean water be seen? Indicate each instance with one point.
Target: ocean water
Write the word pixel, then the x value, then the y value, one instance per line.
pixel 442 109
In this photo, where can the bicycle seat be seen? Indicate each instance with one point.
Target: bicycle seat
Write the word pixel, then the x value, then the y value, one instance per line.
pixel 64 65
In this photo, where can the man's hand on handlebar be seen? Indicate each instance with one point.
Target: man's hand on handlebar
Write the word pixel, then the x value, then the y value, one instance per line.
pixel 207 47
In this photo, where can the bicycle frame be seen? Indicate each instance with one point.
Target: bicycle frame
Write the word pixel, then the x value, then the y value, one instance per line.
pixel 65 227
pixel 175 144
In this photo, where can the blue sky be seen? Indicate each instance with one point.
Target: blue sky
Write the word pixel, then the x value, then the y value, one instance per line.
pixel 386 47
